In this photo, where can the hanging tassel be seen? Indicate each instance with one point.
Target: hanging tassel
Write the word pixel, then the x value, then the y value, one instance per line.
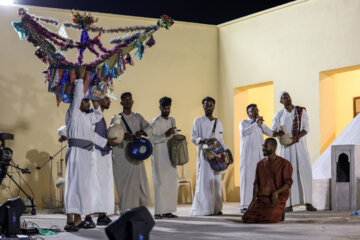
pixel 114 72
pixel 150 42
pixel 106 70
pixel 119 64
pixel 19 28
pixel 62 32
pixel 129 60
pixel 83 39
pixel 140 50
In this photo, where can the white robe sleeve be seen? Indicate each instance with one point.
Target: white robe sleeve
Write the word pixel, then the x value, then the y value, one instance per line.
pixel 195 135
pixel 78 96
pixel 276 122
pixel 145 126
pixel 99 140
pixel 156 137
pixel 305 122
pixel 62 131
pixel 245 129
pixel 266 130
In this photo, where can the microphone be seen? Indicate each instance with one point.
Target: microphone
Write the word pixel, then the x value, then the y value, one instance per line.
pixel 25 170
pixel 38 168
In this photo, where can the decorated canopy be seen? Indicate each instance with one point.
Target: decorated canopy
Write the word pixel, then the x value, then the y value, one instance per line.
pixel 109 63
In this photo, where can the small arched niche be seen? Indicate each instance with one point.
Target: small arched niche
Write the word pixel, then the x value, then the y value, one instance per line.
pixel 343 168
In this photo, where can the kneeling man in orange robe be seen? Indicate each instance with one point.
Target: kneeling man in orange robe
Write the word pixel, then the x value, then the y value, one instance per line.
pixel 271 187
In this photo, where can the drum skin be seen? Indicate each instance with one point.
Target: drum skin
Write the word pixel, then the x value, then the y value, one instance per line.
pixel 140 149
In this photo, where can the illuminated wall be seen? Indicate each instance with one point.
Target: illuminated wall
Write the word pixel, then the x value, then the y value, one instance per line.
pixel 260 94
pixel 182 65
pixel 337 90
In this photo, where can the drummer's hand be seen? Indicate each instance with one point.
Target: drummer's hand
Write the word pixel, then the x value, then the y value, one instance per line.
pixel 204 141
pixel 140 133
pixel 111 142
pixel 128 137
pixel 62 139
pixel 230 155
pixel 170 132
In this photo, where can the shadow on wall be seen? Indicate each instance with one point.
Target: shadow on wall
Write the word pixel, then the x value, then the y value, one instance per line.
pixel 30 116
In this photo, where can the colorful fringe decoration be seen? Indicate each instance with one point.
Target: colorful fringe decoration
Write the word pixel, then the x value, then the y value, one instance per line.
pixel 109 63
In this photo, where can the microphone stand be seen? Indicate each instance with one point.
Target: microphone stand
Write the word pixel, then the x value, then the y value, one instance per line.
pixel 51 170
pixel 23 170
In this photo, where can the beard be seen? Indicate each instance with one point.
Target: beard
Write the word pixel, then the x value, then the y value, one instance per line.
pixel 208 112
pixel 165 114
pixel 105 106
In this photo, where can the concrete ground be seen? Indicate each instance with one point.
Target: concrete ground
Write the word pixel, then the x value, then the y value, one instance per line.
pixel 300 224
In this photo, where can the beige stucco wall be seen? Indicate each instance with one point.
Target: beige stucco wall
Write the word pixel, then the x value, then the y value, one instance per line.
pixel 289 45
pixel 182 65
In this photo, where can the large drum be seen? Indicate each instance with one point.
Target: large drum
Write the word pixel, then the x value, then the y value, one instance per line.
pixel 217 157
pixel 140 149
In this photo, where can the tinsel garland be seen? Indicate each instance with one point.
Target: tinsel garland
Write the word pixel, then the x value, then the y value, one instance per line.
pixel 109 64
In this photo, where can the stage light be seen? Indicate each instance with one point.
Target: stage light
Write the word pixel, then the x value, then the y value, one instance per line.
pixel 7 2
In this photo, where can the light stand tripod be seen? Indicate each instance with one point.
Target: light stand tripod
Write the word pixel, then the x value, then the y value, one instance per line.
pixel 51 171
pixel 5 162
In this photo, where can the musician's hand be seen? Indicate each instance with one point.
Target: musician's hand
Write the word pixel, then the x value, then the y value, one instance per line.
pixel 230 155
pixel 278 133
pixel 80 72
pixel 170 132
pixel 140 133
pixel 62 139
pixel 204 141
pixel 111 142
pixel 128 137
pixel 275 199
pixel 295 139
pixel 259 120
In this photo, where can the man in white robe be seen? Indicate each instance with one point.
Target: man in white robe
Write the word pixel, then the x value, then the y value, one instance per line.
pixel 252 132
pixel 207 200
pixel 103 166
pixel 163 173
pixel 130 175
pixel 296 121
pixel 104 169
pixel 80 198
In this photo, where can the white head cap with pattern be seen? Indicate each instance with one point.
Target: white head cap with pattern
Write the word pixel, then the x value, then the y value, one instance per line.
pixel 282 93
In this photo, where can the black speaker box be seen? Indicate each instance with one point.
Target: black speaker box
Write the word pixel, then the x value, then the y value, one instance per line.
pixel 135 224
pixel 10 213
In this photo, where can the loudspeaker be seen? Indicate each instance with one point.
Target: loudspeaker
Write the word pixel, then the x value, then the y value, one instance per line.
pixel 135 224
pixel 10 213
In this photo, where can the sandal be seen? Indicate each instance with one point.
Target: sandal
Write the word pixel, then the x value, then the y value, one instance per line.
pixel 158 216
pixel 70 227
pixel 85 225
pixel 169 215
pixel 90 221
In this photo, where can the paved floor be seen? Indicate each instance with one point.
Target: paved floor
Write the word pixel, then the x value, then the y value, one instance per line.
pixel 300 224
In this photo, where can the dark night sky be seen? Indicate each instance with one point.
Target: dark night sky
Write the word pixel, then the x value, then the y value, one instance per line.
pixel 208 12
